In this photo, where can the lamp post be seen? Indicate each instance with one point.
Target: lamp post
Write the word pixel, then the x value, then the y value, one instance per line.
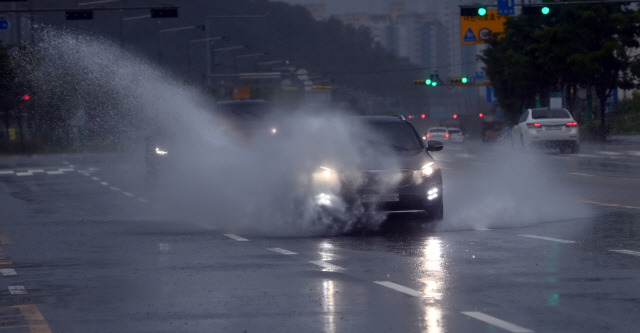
pixel 209 41
pixel 129 19
pixel 188 27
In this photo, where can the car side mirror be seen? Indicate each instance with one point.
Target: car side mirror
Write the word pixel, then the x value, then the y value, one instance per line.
pixel 434 145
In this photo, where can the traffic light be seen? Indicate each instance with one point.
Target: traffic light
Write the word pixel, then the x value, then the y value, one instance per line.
pixel 535 10
pixel 80 14
pixel 423 116
pixel 164 12
pixel 431 81
pixel 473 11
pixel 460 81
pixel 455 116
pixel 480 115
pixel 26 97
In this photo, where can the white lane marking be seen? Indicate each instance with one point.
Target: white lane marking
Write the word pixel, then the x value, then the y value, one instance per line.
pixel 633 253
pixel 17 290
pixel 8 271
pixel 36 170
pixel 281 251
pixel 96 179
pixel 22 174
pixel 549 239
pixel 610 153
pixel 327 266
pixel 104 183
pixel 400 288
pixel 634 153
pixel 6 172
pixel 581 174
pixel 236 238
pixel 54 172
pixel 496 322
pixel 481 229
pixel 127 194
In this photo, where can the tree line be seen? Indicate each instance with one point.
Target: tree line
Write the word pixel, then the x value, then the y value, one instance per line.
pixel 576 48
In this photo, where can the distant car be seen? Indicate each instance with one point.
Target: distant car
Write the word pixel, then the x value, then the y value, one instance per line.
pixel 547 127
pixel 437 133
pixel 455 135
pixel 414 185
pixel 240 120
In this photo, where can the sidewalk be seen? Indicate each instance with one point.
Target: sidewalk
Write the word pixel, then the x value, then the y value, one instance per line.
pixel 624 139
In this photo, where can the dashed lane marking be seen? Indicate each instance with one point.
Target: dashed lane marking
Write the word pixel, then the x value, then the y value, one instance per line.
pixel 549 239
pixel 8 271
pixel 400 288
pixel 281 251
pixel 17 290
pixel 496 322
pixel 236 237
pixel 629 252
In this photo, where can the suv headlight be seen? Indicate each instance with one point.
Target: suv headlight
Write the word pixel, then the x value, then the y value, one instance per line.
pixel 325 175
pixel 427 170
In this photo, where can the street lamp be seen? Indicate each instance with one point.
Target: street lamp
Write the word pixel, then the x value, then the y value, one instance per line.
pixel 250 55
pixel 209 41
pixel 188 27
pixel 130 19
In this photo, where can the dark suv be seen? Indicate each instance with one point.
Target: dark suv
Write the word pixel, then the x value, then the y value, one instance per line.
pixel 396 173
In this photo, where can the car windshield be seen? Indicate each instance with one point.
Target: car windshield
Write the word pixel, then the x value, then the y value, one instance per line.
pixel 397 135
pixel 453 131
pixel 549 113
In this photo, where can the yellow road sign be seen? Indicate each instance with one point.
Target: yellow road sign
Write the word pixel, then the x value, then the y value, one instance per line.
pixel 477 29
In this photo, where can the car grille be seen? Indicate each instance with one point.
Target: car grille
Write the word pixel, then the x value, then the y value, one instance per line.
pixel 379 179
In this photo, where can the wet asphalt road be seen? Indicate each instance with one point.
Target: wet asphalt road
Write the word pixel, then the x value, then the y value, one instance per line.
pixel 540 243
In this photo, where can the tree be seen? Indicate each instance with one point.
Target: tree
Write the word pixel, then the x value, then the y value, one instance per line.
pixel 587 45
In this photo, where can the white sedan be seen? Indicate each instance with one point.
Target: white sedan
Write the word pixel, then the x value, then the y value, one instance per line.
pixel 437 133
pixel 549 128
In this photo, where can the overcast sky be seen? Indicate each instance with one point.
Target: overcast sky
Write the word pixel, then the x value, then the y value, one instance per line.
pixel 337 7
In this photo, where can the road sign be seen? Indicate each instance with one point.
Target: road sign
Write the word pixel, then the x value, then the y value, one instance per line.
pixel 505 7
pixel 477 29
pixel 4 24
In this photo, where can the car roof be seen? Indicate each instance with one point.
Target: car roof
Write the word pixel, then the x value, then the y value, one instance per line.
pixel 383 119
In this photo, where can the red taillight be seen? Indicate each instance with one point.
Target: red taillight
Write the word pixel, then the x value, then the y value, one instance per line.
pixel 429 135
pixel 534 125
pixel 446 135
pixel 573 124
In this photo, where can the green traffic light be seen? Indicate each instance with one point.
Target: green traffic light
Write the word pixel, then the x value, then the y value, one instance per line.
pixel 427 81
pixel 434 83
pixel 464 80
pixel 482 11
pixel 545 10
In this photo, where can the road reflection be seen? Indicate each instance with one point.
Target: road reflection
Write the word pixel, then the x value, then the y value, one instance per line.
pixel 328 289
pixel 434 280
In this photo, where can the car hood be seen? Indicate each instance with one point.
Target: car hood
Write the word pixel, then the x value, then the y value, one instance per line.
pixel 412 160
